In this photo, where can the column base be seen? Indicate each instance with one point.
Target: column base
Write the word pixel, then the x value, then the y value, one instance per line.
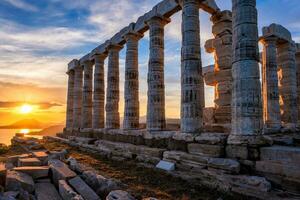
pixel 249 140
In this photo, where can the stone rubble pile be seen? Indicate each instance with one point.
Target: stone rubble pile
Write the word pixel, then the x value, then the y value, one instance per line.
pixel 51 175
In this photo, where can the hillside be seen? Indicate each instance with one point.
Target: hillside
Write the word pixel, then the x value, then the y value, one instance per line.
pixel 25 124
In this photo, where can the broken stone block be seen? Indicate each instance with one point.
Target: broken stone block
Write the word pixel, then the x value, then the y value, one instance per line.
pixel 59 155
pixel 238 152
pixel 76 166
pixel 206 150
pixel 66 192
pixel 41 155
pixel 100 184
pixel 34 171
pixel 14 159
pixel 83 189
pixel 18 180
pixel 60 171
pixel 164 165
pixel 119 195
pixel 281 153
pixel 29 162
pixel 46 191
pixel 229 165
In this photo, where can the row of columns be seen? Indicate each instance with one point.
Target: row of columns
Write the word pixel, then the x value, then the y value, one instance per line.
pixel 91 114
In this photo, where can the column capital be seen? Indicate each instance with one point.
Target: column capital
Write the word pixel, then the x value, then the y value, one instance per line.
pixel 99 57
pixel 221 16
pixel 114 47
pixel 265 40
pixel 132 35
pixel 158 18
pixel 210 45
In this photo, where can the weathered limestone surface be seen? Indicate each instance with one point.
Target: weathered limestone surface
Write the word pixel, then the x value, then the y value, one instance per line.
pixel 221 77
pixel 18 180
pixel 192 85
pixel 70 100
pixel 77 96
pixel 83 189
pixel 34 171
pixel 271 108
pixel 46 191
pixel 66 191
pixel 60 171
pixel 99 92
pixel 87 96
pixel 132 111
pixel 247 119
pixel 288 84
pixel 22 162
pixel 113 90
pixel 298 78
pixel 119 195
pixel 156 87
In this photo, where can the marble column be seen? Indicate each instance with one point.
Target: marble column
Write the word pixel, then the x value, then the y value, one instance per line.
pixel 156 119
pixel 271 108
pixel 87 96
pixel 221 46
pixel 131 86
pixel 70 100
pixel 287 74
pixel 99 91
pixel 113 90
pixel 298 79
pixel 192 84
pixel 78 80
pixel 247 118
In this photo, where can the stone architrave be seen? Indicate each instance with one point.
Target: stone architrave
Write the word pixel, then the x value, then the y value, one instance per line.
pixel 287 74
pixel 113 90
pixel 221 46
pixel 298 79
pixel 271 108
pixel 131 87
pixel 78 71
pixel 99 91
pixel 156 120
pixel 87 96
pixel 247 118
pixel 192 85
pixel 70 99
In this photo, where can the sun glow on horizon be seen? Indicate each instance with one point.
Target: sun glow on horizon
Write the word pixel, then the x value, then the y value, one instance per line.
pixel 24 131
pixel 25 109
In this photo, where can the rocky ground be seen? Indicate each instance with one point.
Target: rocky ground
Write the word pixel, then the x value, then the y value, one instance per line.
pixel 51 170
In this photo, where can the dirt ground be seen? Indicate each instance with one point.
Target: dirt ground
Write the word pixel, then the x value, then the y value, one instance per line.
pixel 141 181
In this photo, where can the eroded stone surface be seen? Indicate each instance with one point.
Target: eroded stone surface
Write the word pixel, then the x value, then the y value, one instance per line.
pixel 16 181
pixel 66 192
pixel 34 171
pixel 83 189
pixel 60 171
pixel 46 191
pixel 119 195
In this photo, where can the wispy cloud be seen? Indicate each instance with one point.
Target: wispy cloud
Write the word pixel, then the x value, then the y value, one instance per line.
pixel 22 5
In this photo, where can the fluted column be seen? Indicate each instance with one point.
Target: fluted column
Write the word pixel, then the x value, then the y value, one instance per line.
pixel 70 100
pixel 87 96
pixel 131 110
pixel 156 119
pixel 246 93
pixel 298 79
pixel 288 84
pixel 113 91
pixel 271 108
pixel 99 91
pixel 192 85
pixel 78 72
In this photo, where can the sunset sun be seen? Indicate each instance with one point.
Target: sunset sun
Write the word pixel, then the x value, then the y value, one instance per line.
pixel 25 109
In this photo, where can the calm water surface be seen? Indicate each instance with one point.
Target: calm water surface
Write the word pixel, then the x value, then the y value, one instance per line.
pixel 7 134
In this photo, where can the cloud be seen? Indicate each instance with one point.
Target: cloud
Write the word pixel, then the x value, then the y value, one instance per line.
pixel 22 5
pixel 41 105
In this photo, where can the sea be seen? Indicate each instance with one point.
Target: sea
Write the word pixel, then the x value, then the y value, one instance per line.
pixel 7 134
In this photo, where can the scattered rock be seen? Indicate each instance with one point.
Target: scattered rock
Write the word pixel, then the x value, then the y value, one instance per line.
pixel 2 174
pixel 66 192
pixel 46 191
pixel 119 195
pixel 16 181
pixel 224 164
pixel 34 171
pixel 60 171
pixel 29 162
pixel 83 189
pixel 164 165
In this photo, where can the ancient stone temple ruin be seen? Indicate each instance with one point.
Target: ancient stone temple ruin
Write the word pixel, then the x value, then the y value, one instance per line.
pixel 251 145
